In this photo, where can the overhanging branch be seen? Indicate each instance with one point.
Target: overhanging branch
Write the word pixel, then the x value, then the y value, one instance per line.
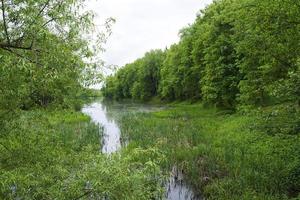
pixel 21 56
pixel 10 46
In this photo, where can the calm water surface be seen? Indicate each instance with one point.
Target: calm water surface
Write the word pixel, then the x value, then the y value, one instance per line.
pixel 106 114
pixel 111 132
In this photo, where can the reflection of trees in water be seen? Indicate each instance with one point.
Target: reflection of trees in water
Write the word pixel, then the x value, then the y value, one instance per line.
pixel 111 111
pixel 115 110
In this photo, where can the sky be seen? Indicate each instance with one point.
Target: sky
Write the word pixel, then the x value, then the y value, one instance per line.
pixel 142 25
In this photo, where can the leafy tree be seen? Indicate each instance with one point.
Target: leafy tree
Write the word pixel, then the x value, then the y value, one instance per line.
pixel 221 75
pixel 237 53
pixel 149 74
pixel 267 37
pixel 138 80
pixel 42 46
pixel 169 79
pixel 191 77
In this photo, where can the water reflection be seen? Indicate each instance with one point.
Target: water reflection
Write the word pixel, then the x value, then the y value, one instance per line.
pixel 111 132
pixel 107 115
pixel 177 188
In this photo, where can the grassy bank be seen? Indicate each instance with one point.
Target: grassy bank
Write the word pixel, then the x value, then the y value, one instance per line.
pixel 56 155
pixel 225 156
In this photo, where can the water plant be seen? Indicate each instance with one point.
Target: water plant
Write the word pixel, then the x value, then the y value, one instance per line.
pixel 221 154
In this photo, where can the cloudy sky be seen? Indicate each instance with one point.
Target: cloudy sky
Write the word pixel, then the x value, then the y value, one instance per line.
pixel 142 25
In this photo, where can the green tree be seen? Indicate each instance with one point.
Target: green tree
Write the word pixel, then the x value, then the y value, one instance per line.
pixel 149 74
pixel 169 79
pixel 219 83
pixel 42 46
pixel 267 36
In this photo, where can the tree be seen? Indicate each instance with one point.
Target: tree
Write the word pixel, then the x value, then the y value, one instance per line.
pixel 42 43
pixel 267 37
pixel 220 79
pixel 237 53
pixel 168 88
pixel 149 73
pixel 138 80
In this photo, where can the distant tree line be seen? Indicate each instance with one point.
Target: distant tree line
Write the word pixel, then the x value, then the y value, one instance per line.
pixel 237 52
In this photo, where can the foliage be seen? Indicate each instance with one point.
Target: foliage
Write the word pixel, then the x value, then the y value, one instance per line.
pixel 55 155
pixel 219 83
pixel 281 119
pixel 43 54
pixel 266 43
pixel 221 154
pixel 138 80
pixel 236 54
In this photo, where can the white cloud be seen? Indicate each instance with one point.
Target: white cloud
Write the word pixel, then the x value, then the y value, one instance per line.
pixel 142 25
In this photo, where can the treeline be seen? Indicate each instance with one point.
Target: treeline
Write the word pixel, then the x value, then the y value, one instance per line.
pixel 237 52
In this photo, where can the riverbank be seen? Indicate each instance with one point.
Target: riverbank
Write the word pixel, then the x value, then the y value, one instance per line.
pixel 225 156
pixel 55 154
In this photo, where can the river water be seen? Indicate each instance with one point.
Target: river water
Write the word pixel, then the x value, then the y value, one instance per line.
pixel 106 115
pixel 111 133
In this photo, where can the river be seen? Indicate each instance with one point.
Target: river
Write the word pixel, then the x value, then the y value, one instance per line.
pixel 106 115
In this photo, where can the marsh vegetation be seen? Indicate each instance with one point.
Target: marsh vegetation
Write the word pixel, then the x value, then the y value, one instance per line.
pixel 218 114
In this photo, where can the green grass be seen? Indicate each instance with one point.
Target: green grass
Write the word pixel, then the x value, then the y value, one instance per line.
pixel 222 155
pixel 52 154
pixel 46 154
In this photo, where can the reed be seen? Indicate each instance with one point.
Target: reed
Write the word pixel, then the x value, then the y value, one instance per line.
pixel 222 156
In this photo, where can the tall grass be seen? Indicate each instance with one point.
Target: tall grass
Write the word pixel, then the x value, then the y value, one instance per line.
pixel 56 155
pixel 222 156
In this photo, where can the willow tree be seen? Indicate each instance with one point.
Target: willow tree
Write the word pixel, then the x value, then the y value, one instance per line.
pixel 43 53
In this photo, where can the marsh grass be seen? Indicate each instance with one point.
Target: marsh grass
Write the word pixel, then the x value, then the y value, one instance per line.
pixel 221 155
pixel 55 155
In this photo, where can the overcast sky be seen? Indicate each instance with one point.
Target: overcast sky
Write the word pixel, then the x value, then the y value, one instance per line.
pixel 142 25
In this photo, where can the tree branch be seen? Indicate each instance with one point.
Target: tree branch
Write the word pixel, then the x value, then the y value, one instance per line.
pixel 4 22
pixel 43 8
pixel 10 46
pixel 59 4
pixel 21 56
pixel 49 21
pixel 40 13
pixel 34 20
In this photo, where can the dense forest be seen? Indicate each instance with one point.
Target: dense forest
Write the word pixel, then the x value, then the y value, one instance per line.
pixel 236 53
